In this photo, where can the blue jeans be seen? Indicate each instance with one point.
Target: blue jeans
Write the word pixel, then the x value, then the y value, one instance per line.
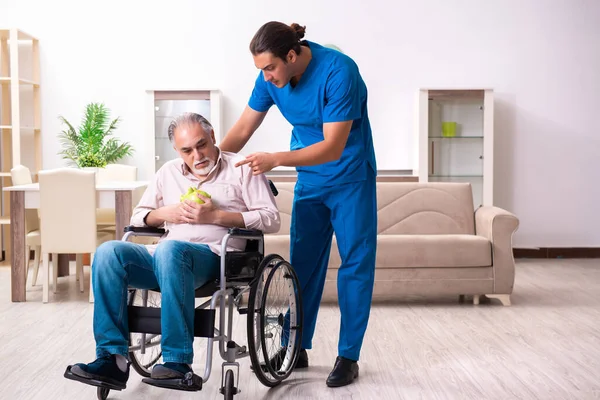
pixel 176 267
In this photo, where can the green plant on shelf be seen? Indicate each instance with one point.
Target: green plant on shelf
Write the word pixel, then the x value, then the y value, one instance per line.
pixel 91 145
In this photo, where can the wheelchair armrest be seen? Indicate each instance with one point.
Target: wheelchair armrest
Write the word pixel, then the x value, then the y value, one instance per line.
pixel 144 229
pixel 245 232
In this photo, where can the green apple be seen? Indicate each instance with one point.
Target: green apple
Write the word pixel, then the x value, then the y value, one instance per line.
pixel 192 194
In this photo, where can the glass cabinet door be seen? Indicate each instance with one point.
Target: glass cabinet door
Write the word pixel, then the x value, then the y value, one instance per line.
pixel 456 142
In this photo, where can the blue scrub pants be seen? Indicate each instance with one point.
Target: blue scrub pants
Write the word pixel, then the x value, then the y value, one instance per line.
pixel 349 210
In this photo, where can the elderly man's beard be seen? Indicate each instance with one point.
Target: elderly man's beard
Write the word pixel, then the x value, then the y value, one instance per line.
pixel 203 170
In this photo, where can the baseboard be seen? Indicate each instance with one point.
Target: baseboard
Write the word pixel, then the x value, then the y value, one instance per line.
pixel 540 252
pixel 558 252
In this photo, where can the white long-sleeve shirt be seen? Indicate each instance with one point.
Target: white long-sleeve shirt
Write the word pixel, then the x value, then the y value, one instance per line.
pixel 233 189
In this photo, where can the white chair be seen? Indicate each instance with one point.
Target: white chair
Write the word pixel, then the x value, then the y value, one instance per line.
pixel 21 175
pixel 117 172
pixel 112 173
pixel 68 220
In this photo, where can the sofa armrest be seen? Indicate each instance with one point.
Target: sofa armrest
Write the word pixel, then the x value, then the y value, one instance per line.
pixel 498 226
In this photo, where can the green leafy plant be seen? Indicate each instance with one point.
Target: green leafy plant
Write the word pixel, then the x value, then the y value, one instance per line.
pixel 91 145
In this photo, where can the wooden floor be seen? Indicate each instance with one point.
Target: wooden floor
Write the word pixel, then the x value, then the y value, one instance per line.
pixel 545 346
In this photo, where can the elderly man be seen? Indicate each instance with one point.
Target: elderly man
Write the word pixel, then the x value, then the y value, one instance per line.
pixel 185 258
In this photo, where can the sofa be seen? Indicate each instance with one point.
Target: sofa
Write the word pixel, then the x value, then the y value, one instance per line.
pixel 430 242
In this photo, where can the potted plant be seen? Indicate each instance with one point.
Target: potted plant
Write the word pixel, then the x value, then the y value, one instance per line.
pixel 91 145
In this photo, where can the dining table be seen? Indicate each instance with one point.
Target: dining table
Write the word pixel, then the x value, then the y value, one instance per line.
pixel 118 195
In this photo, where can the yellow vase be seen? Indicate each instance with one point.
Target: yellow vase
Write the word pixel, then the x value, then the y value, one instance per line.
pixel 448 129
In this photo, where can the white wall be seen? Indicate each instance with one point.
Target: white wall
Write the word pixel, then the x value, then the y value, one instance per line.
pixel 541 57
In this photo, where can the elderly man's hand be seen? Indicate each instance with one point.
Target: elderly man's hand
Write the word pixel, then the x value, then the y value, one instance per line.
pixel 172 213
pixel 194 213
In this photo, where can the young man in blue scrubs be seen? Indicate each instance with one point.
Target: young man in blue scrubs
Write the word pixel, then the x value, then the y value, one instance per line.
pixel 321 93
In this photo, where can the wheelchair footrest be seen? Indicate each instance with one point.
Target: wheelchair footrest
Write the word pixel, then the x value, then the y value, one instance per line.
pixel 90 381
pixel 189 383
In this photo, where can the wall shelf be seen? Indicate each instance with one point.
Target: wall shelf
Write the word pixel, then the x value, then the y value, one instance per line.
pixel 20 114
pixel 23 128
pixel 8 81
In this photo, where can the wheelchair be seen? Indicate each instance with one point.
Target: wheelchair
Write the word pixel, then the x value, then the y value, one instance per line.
pixel 273 310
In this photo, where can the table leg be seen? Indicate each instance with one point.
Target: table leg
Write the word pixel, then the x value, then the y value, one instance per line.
pixel 63 265
pixel 123 208
pixel 18 276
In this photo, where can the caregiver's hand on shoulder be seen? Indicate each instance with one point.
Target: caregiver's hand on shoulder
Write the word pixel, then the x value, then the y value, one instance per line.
pixel 260 162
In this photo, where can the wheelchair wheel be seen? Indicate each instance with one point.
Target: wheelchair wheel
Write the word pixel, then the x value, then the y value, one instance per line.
pixel 274 321
pixel 253 317
pixel 143 360
pixel 228 387
pixel 102 393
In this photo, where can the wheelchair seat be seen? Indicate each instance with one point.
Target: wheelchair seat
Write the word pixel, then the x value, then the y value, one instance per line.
pixel 240 266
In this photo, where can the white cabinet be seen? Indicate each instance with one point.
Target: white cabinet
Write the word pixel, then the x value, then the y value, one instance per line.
pixel 455 139
pixel 165 105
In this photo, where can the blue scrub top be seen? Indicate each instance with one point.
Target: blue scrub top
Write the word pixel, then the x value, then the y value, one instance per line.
pixel 330 90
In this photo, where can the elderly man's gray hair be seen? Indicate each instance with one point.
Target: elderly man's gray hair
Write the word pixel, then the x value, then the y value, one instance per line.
pixel 187 119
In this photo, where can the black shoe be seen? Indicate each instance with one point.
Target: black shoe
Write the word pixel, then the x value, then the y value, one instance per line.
pixel 344 372
pixel 177 376
pixel 277 360
pixel 170 370
pixel 302 359
pixel 104 369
